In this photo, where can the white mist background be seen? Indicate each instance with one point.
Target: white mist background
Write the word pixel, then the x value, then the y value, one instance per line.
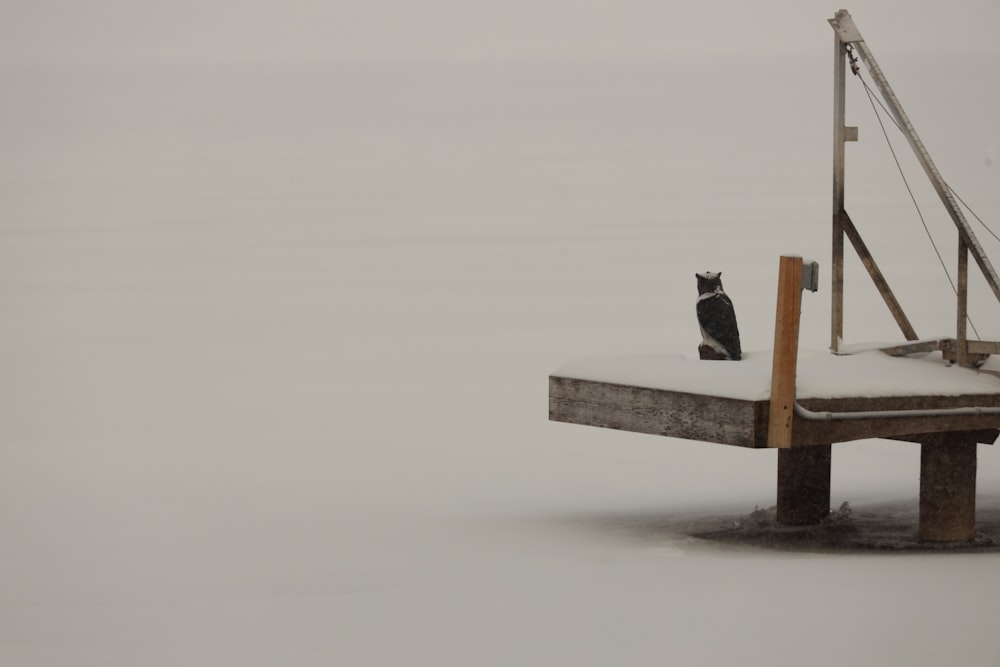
pixel 282 284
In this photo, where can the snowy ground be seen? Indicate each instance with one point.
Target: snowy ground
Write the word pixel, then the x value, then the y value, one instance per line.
pixel 277 338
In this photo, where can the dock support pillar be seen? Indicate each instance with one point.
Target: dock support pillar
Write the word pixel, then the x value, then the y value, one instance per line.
pixel 948 489
pixel 803 485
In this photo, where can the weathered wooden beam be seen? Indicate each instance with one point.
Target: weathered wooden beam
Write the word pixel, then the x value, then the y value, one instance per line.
pixel 786 352
pixel 676 414
pixel 839 138
pixel 837 287
pixel 982 437
pixel 984 347
pixel 803 485
pixel 948 489
pixel 962 314
pixel 915 347
pixel 975 351
pixel 868 261
pixel 744 423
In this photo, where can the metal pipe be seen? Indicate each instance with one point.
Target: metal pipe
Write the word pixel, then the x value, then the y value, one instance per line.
pixel 813 415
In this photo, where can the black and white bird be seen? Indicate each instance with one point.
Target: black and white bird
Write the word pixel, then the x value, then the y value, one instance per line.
pixel 720 337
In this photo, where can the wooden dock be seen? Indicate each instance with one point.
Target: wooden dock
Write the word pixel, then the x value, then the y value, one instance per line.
pixel 947 410
pixel 744 422
pixel 777 401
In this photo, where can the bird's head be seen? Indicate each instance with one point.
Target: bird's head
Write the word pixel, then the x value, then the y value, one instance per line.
pixel 709 281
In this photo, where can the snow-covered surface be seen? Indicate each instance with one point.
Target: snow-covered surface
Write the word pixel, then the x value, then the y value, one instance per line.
pixel 819 375
pixel 282 283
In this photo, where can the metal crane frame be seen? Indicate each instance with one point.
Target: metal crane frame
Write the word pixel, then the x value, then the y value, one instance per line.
pixel 959 349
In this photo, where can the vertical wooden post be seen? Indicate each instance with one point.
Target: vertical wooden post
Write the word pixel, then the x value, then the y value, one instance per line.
pixel 961 332
pixel 948 489
pixel 839 132
pixel 803 472
pixel 786 350
pixel 803 485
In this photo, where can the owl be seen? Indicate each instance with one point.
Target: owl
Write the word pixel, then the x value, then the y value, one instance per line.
pixel 720 337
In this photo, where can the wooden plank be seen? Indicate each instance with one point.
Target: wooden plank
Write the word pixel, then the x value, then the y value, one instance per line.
pixel 655 411
pixel 982 437
pixel 949 345
pixel 786 352
pixel 983 347
pixel 915 347
pixel 881 284
pixel 744 423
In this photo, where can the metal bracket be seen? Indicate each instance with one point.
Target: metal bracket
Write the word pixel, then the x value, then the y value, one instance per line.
pixel 846 30
pixel 810 276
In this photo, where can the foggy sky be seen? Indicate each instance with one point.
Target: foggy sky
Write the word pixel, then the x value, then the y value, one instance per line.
pixel 125 32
